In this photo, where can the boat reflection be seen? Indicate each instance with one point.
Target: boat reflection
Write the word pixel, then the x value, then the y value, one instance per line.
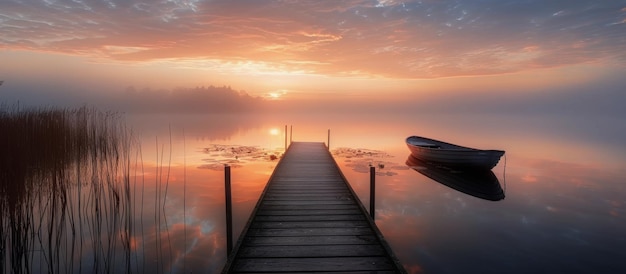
pixel 479 183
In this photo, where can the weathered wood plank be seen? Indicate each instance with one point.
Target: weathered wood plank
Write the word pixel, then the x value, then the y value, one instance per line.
pixel 311 231
pixel 309 182
pixel 305 197
pixel 315 218
pixel 313 187
pixel 338 272
pixel 306 224
pixel 313 251
pixel 297 202
pixel 307 207
pixel 320 192
pixel 312 240
pixel 313 264
pixel 304 177
pixel 318 187
pixel 309 210
pixel 303 212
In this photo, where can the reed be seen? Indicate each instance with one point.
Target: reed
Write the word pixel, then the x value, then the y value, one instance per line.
pixel 65 191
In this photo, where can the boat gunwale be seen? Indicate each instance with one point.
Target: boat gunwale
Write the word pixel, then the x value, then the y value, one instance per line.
pixel 449 146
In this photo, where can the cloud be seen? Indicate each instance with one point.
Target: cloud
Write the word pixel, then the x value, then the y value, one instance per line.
pixel 410 39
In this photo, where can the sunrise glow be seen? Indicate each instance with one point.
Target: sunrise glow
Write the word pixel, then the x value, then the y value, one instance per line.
pixel 153 129
pixel 356 51
pixel 274 131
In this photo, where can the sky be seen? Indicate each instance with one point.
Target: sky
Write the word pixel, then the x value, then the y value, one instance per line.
pixel 331 52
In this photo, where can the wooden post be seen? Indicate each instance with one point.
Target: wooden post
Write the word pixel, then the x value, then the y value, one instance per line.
pixel 372 191
pixel 290 134
pixel 328 144
pixel 285 137
pixel 229 211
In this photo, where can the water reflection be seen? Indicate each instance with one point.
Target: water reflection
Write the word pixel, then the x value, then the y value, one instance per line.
pixel 479 183
pixel 160 206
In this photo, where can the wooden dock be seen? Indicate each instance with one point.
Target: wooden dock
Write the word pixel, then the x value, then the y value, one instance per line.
pixel 308 219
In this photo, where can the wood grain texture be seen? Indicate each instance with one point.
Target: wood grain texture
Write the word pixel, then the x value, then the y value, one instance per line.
pixel 309 220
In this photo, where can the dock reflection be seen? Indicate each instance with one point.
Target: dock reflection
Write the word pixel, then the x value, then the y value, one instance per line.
pixel 479 183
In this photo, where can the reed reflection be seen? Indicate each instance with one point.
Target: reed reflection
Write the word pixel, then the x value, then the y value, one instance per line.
pixel 480 183
pixel 65 192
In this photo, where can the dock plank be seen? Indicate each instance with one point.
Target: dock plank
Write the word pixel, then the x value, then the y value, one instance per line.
pixel 307 224
pixel 312 251
pixel 308 219
pixel 316 218
pixel 274 265
pixel 311 240
pixel 311 231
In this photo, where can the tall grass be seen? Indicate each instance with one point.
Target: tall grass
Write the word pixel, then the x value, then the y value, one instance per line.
pixel 66 197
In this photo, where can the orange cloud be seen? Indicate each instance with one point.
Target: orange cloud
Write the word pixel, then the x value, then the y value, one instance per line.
pixel 409 39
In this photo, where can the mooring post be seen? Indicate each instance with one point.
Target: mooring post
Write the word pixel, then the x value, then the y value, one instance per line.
pixel 285 137
pixel 229 211
pixel 328 143
pixel 372 191
pixel 290 134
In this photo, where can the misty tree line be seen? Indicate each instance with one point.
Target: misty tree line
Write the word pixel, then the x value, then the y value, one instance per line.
pixel 191 100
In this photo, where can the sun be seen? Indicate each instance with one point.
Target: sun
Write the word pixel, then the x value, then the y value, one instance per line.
pixel 274 131
pixel 276 94
pixel 273 95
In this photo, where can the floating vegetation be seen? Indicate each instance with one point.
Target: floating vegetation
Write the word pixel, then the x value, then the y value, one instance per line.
pixel 235 156
pixel 360 160
pixel 345 152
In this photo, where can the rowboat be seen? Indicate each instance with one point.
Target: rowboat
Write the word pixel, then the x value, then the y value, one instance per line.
pixel 480 183
pixel 431 150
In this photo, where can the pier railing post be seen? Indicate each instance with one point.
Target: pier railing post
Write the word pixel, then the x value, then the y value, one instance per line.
pixel 229 211
pixel 372 192
pixel 328 143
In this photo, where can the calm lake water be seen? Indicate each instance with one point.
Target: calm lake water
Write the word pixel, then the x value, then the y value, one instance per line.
pixel 563 179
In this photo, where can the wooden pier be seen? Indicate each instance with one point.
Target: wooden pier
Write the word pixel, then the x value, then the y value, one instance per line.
pixel 308 219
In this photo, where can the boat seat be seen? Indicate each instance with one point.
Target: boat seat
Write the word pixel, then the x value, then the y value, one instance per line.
pixel 425 144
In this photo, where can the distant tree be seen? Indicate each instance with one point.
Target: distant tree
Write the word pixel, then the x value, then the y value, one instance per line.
pixel 193 100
